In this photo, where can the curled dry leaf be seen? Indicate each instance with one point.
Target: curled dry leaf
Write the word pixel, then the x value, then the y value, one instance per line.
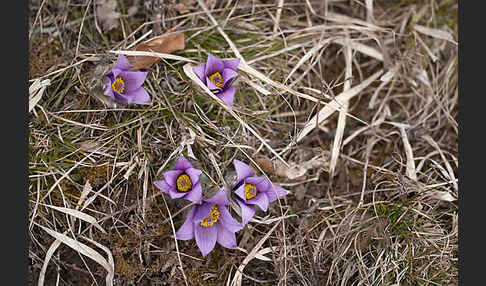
pixel 442 195
pixel 295 171
pixel 166 44
pixel 274 167
pixel 107 15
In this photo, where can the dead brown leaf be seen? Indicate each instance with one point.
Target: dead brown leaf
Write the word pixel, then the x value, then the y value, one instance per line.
pixel 165 44
pixel 180 8
pixel 276 167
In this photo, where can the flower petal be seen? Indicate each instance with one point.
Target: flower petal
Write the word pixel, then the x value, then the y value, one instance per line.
pixel 228 95
pixel 193 174
pixel 110 75
pixel 186 231
pixel 121 98
pixel 247 212
pixel 139 96
pixel 260 200
pixel 213 64
pixel 205 238
pixel 219 198
pixel 240 192
pixel 133 80
pixel 122 63
pixel 226 220
pixel 199 71
pixel 225 237
pixel 162 185
pixel 202 211
pixel 231 63
pixel 261 183
pixel 243 171
pixel 214 88
pixel 174 194
pixel 107 88
pixel 195 194
pixel 228 76
pixel 276 191
pixel 116 72
pixel 171 177
pixel 182 163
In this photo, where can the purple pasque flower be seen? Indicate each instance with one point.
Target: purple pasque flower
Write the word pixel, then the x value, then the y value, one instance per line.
pixel 182 181
pixel 251 191
pixel 209 222
pixel 124 86
pixel 218 75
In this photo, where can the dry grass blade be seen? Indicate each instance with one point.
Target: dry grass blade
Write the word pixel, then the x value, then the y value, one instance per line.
pixel 361 130
pixel 411 171
pixel 83 249
pixel 49 253
pixel 34 212
pixel 364 49
pixel 56 72
pixel 340 18
pixel 257 87
pixel 145 189
pixel 282 51
pixel 385 79
pixel 153 54
pixel 278 15
pixel 369 11
pixel 436 33
pixel 111 274
pixel 175 241
pixel 284 88
pixel 36 90
pixel 336 146
pixel 220 30
pixel 249 70
pixel 75 213
pixel 84 194
pixel 307 56
pixel 335 104
pixel 190 73
pixel 260 254
pixel 237 278
pixel 452 177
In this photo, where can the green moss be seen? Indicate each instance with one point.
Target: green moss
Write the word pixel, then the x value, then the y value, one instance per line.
pixel 401 225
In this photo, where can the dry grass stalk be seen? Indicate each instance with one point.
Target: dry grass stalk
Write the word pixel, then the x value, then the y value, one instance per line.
pixel 335 105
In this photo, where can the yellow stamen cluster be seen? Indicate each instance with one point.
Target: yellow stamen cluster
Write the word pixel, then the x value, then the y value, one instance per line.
pixel 118 85
pixel 250 191
pixel 212 217
pixel 217 79
pixel 184 183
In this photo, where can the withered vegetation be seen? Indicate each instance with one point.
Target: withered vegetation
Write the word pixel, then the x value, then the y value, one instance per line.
pixel 356 106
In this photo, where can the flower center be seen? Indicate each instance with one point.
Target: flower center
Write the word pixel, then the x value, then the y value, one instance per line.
pixel 184 183
pixel 118 85
pixel 217 79
pixel 250 191
pixel 212 217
